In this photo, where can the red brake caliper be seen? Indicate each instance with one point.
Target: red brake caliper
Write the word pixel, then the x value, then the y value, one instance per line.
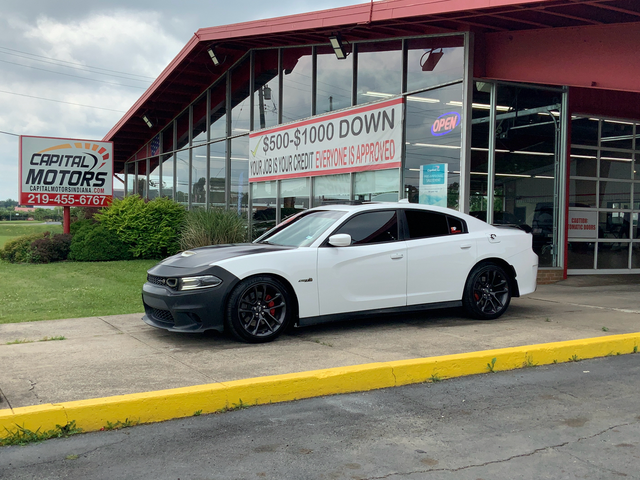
pixel 271 304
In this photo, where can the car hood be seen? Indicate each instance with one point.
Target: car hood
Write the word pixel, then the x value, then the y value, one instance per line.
pixel 203 256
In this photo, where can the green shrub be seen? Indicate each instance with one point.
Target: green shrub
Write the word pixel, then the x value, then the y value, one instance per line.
pixel 19 249
pixel 151 230
pixel 212 227
pixel 77 225
pixel 95 243
pixel 52 248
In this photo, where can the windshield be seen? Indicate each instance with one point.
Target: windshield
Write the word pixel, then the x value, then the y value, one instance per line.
pixel 301 230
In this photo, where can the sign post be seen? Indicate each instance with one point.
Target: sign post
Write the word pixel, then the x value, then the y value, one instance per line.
pixel 65 172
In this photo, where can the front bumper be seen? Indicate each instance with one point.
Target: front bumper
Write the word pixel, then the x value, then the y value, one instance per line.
pixel 191 311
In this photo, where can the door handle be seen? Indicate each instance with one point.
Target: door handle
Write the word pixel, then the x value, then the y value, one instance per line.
pixel 397 256
pixel 465 246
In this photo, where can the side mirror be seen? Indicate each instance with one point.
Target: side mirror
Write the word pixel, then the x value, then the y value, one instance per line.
pixel 340 240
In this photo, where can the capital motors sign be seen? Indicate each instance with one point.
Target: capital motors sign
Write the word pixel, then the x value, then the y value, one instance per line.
pixel 65 172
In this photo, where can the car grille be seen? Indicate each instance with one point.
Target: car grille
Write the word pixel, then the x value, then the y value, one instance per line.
pixel 162 315
pixel 161 281
pixel 156 280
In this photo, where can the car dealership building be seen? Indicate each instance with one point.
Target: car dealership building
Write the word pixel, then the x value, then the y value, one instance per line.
pixel 518 112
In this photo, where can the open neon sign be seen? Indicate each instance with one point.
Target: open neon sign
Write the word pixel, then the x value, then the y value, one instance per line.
pixel 445 123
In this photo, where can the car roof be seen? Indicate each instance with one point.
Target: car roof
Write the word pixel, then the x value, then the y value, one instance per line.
pixel 475 223
pixel 347 207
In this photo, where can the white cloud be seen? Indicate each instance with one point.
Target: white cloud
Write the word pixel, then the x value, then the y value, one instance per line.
pixel 108 35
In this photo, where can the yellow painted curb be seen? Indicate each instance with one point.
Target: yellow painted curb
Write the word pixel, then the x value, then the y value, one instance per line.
pixel 91 415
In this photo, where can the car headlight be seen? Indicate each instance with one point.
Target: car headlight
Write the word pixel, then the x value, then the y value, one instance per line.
pixel 194 283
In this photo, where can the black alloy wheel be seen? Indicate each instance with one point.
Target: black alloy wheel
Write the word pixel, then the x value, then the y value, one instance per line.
pixel 259 309
pixel 487 293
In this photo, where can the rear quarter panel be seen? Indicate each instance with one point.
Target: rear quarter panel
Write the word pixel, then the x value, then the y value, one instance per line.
pixel 515 247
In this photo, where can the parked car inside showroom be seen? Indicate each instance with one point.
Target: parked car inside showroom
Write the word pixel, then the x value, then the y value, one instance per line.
pixel 339 262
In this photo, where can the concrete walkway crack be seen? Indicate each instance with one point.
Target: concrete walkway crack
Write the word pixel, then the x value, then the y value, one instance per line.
pixel 593 465
pixel 504 460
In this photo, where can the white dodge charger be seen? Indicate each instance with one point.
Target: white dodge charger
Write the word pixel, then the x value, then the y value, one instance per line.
pixel 342 261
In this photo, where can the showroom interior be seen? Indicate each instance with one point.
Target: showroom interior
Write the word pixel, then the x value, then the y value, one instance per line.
pixel 545 94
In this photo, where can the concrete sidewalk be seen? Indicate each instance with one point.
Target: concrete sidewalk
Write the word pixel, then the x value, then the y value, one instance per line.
pixel 114 355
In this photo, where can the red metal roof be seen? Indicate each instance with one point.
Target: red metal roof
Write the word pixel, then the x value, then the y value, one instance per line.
pixel 191 71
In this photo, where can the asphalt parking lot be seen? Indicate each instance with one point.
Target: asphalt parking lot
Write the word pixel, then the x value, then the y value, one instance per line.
pixel 115 355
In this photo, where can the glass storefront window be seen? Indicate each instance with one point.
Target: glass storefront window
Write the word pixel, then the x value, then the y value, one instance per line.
pixel 615 165
pixel 182 129
pixel 199 176
pixel 582 193
pixel 635 255
pixel 615 194
pixel 200 121
pixel 239 189
pixel 167 138
pixel 613 225
pixel 613 255
pixel 265 98
pixel 377 186
pixel 217 173
pixel 334 80
pixel 141 178
pixel 264 196
pixel 154 178
pixel 434 61
pixel 584 131
pixel 296 83
pixel 182 177
pixel 427 145
pixel 616 134
pixel 583 162
pixel 240 100
pixel 166 184
pixel 581 255
pixel 130 168
pixel 374 82
pixel 331 188
pixel 294 196
pixel 217 110
pixel 618 203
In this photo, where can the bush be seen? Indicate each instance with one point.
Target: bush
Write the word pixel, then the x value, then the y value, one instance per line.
pixel 212 227
pixel 151 230
pixel 19 249
pixel 49 249
pixel 95 243
pixel 77 225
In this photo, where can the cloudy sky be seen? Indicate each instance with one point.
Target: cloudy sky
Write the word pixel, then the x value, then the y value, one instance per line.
pixel 73 68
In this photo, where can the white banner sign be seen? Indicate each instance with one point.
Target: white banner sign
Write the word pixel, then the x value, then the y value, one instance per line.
pixel 583 224
pixel 357 139
pixel 65 172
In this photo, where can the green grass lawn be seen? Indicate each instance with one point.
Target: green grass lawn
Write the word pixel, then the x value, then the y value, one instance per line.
pixel 9 230
pixel 30 292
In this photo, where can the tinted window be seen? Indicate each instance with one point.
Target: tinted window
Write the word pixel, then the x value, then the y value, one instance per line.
pixel 426 224
pixel 456 225
pixel 372 227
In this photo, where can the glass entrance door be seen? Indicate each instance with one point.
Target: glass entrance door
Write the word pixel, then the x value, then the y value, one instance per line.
pixel 515 175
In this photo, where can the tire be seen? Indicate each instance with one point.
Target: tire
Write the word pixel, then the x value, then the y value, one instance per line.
pixel 259 310
pixel 487 293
